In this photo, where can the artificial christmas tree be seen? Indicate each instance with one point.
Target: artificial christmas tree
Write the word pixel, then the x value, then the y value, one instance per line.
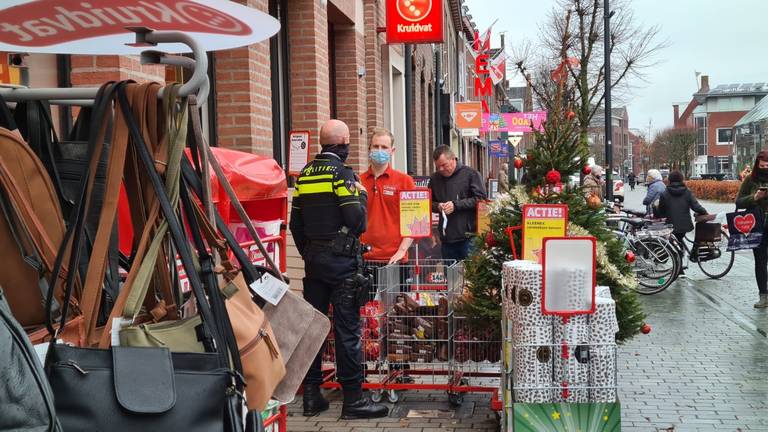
pixel 559 150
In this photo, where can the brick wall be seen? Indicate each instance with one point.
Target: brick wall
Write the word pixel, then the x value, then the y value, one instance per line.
pixel 351 92
pixel 718 120
pixel 374 75
pixel 244 95
pixel 95 70
pixel 308 41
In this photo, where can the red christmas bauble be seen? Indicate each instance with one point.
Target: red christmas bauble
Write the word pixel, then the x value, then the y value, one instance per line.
pixel 630 257
pixel 586 170
pixel 518 163
pixel 645 329
pixel 553 177
pixel 570 115
pixel 490 241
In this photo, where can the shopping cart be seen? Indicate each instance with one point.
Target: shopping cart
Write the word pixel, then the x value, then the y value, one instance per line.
pixel 476 361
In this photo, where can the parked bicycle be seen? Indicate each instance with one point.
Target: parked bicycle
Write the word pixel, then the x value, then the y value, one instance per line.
pixel 659 255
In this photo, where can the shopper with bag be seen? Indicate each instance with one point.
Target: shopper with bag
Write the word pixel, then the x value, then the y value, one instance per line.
pixel 753 195
pixel 655 188
pixel 676 203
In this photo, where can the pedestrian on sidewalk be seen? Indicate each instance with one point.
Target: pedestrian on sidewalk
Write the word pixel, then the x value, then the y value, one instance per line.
pixel 754 194
pixel 631 180
pixel 593 184
pixel 456 189
pixel 503 178
pixel 655 189
pixel 329 209
pixel 675 204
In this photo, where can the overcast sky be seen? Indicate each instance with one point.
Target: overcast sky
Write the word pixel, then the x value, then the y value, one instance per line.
pixel 727 40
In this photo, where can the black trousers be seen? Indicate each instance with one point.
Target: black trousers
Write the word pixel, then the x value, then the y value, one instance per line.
pixel 324 285
pixel 761 266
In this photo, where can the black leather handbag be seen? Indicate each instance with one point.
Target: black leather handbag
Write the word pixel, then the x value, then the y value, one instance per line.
pixel 146 389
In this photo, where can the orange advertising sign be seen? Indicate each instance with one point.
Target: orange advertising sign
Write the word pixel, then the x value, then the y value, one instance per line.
pixel 469 115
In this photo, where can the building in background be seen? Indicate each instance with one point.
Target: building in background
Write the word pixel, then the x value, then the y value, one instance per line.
pixel 622 150
pixel 714 113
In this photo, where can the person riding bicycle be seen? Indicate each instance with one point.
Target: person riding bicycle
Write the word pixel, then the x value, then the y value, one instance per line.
pixel 676 203
pixel 655 189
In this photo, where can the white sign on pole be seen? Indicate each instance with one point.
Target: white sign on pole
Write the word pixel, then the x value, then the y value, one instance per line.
pixel 470 132
pixel 514 139
pixel 298 152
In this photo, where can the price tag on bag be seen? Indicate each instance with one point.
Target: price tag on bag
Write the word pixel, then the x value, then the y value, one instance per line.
pixel 270 288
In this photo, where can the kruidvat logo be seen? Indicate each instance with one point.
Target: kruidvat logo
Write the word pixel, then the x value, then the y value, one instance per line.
pixel 49 22
pixel 414 10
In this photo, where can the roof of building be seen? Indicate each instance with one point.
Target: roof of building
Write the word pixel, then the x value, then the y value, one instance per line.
pixel 737 90
pixel 758 113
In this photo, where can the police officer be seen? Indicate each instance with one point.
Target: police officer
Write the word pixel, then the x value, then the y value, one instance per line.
pixel 327 217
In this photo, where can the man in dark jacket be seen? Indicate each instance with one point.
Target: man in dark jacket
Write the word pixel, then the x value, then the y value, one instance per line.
pixel 676 203
pixel 456 189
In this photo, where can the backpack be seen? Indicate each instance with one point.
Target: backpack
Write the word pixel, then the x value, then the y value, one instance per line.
pixel 25 394
pixel 31 230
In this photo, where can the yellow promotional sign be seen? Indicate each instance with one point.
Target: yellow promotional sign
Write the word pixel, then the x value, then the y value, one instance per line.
pixel 415 213
pixel 539 222
pixel 483 216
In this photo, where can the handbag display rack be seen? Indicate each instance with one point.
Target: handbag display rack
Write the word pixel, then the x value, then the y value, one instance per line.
pixel 149 367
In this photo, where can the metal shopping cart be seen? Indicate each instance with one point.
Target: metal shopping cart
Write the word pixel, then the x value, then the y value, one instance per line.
pixel 372 338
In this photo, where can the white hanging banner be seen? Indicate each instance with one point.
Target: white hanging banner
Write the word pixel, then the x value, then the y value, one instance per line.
pixel 100 27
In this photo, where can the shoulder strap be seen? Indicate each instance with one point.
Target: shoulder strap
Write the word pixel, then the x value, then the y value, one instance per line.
pixel 204 148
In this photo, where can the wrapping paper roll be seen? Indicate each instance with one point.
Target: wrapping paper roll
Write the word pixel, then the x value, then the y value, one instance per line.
pixel 573 370
pixel 527 285
pixel 532 374
pixel 602 374
pixel 577 297
pixel 509 298
pixel 603 291
pixel 603 324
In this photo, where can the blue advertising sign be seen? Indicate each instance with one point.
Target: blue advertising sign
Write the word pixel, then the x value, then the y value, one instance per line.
pixel 498 149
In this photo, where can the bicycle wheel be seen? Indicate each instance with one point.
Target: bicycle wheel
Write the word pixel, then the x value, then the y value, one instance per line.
pixel 714 259
pixel 656 265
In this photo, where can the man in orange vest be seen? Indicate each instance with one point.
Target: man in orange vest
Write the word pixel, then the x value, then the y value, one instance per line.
pixel 383 184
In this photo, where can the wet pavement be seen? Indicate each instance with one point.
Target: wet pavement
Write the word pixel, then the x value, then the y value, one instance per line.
pixel 703 367
pixel 705 363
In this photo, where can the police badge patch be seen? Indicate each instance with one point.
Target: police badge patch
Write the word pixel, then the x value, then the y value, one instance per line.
pixel 350 186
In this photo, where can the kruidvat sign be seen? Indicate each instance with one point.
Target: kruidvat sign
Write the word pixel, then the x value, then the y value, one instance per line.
pixel 100 27
pixel 414 21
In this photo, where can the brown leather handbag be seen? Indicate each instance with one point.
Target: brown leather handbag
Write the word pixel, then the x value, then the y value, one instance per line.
pixel 31 231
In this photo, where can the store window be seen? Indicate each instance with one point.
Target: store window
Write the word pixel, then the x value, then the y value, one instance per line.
pixel 724 136
pixel 700 123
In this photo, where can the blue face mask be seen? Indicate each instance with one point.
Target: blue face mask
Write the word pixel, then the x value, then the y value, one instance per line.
pixel 380 157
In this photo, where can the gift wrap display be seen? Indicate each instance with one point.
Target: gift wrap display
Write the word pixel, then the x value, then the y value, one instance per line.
pixel 540 371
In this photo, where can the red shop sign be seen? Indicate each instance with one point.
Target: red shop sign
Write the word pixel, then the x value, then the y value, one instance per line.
pixel 414 21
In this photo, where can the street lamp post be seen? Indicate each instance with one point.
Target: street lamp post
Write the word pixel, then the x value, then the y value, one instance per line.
pixel 608 124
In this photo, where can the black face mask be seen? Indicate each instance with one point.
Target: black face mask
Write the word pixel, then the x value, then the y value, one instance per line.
pixel 340 150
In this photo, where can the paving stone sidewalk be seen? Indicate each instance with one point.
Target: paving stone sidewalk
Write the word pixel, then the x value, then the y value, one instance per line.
pixel 704 366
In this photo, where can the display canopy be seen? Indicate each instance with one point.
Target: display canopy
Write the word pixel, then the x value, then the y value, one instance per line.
pixel 102 27
pixel 253 177
pixel 568 276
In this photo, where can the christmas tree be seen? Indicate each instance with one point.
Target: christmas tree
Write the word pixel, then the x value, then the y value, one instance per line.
pixel 557 154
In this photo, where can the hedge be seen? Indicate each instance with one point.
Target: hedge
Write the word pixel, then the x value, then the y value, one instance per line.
pixel 713 190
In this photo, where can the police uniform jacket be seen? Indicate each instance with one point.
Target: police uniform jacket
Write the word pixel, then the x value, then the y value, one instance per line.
pixel 324 200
